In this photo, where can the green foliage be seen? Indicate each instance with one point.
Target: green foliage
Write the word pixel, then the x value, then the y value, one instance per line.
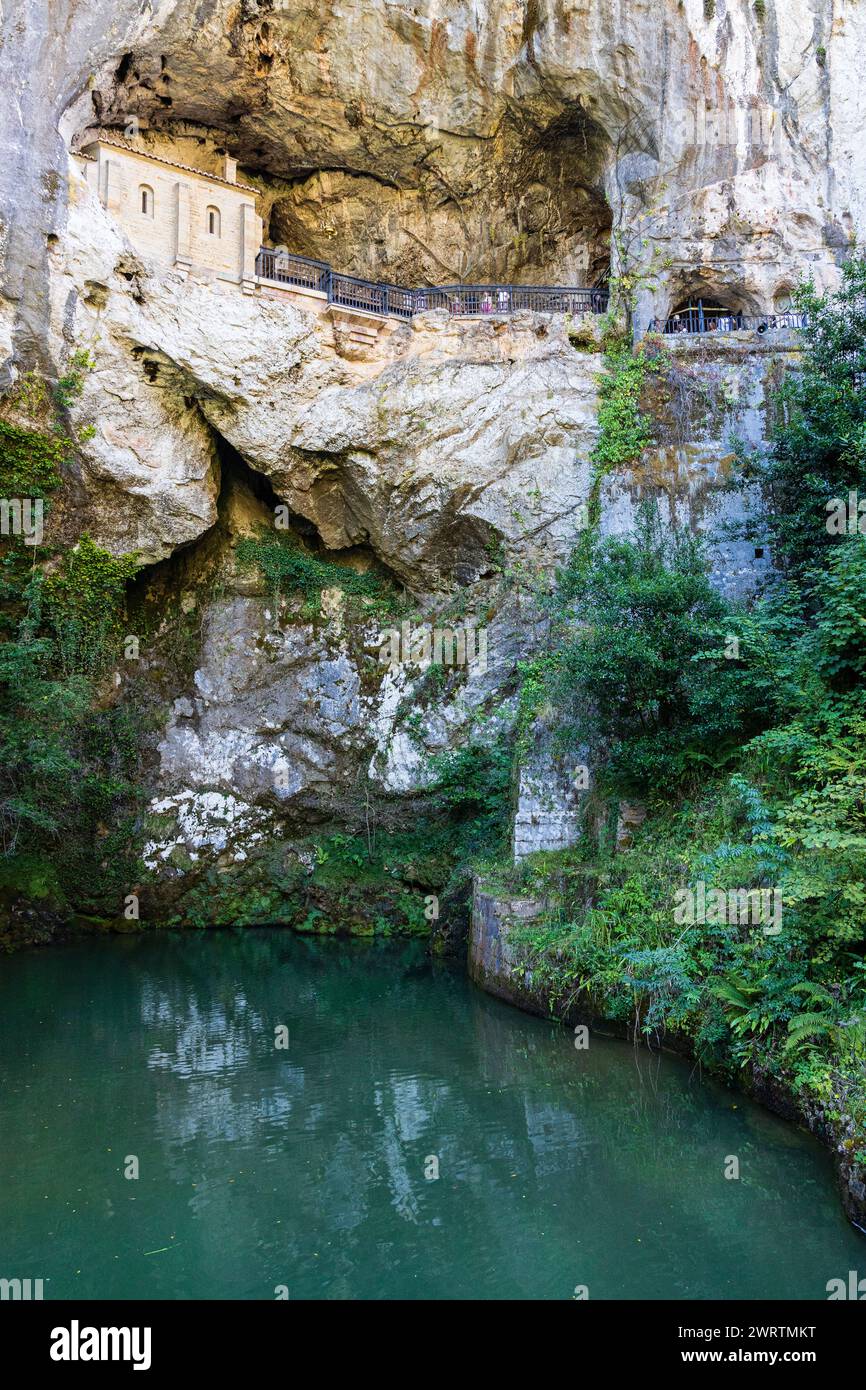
pixel 471 794
pixel 840 638
pixel 30 397
pixel 71 384
pixel 289 568
pixel 30 461
pixel 38 719
pixel 464 819
pixel 536 676
pixel 68 761
pixel 83 601
pixel 624 431
pixel 68 773
pixel 69 755
pixel 818 448
pixel 644 678
pixel 373 883
pixel 814 769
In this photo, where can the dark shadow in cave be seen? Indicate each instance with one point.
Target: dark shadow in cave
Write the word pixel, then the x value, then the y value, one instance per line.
pixel 200 564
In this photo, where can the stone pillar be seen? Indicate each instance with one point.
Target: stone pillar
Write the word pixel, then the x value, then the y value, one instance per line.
pixel 251 240
pixel 549 801
pixel 182 227
pixel 111 186
pixel 494 962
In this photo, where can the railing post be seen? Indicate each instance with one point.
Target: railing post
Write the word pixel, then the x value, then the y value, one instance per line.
pixel 329 285
pixel 701 328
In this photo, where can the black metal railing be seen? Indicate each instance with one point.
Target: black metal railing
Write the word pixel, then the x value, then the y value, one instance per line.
pixel 720 321
pixel 371 297
pixel 394 301
pixel 509 299
pixel 292 270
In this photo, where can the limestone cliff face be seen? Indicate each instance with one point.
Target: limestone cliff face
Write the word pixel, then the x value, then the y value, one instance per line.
pixel 443 142
pixel 534 143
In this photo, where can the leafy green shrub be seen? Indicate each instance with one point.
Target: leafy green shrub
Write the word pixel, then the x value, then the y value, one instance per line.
pixel 642 675
pixel 83 601
pixel 289 568
pixel 471 795
pixel 818 447
pixel 69 778
pixel 30 461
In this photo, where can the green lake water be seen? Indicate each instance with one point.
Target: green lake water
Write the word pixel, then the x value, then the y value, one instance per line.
pixel 309 1167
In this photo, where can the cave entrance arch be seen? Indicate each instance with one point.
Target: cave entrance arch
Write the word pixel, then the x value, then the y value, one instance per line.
pixel 701 315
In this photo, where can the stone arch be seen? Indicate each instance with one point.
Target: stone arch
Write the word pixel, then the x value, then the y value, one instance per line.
pixel 703 301
pixel 212 221
pixel 699 313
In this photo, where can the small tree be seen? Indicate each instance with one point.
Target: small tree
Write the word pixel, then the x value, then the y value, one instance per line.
pixel 818 449
pixel 645 676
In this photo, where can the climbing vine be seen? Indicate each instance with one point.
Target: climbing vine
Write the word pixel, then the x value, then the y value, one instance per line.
pixel 71 384
pixel 84 603
pixel 624 431
pixel 30 461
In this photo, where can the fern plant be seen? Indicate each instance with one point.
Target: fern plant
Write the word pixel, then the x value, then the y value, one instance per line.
pixel 818 1022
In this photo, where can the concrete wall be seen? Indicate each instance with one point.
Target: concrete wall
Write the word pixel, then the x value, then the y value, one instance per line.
pixel 493 962
pixel 550 794
pixel 500 965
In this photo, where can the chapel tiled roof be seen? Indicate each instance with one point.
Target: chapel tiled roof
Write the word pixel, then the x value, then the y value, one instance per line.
pixel 120 144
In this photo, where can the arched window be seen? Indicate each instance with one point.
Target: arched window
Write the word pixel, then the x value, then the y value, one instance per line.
pixel 213 221
pixel 145 200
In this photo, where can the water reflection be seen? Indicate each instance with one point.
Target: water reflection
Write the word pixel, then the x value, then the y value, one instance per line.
pixel 306 1166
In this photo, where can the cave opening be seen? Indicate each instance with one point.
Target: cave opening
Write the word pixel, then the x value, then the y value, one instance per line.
pixel 536 215
pixel 698 314
pixel 247 505
pixel 526 206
